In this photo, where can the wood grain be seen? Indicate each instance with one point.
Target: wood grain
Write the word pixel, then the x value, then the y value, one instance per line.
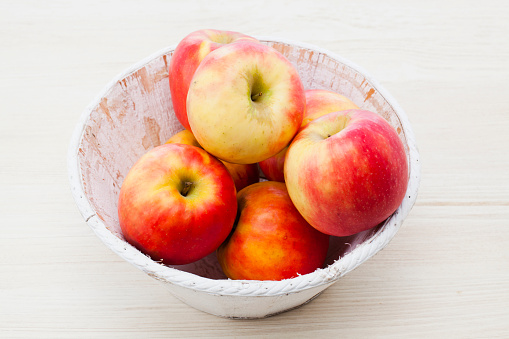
pixel 445 274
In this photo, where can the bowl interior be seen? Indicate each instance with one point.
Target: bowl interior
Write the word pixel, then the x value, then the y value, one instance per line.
pixel 135 114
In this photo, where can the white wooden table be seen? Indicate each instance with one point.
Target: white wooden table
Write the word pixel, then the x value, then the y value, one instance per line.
pixel 446 273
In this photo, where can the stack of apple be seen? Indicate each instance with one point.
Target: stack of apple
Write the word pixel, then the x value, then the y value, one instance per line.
pixel 332 168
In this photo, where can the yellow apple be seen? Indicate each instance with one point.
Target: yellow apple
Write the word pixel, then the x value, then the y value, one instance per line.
pixel 245 103
pixel 185 59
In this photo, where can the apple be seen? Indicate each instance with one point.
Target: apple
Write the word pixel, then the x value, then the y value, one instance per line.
pixel 346 171
pixel 271 240
pixel 245 103
pixel 183 137
pixel 243 175
pixel 273 167
pixel 187 56
pixel 318 102
pixel 177 204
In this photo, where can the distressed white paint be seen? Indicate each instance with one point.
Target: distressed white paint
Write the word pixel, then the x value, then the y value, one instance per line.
pixel 134 113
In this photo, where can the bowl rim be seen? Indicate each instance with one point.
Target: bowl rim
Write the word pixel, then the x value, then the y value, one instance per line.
pixel 320 277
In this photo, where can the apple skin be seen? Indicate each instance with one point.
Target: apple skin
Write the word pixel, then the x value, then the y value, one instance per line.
pixel 273 167
pixel 183 137
pixel 160 221
pixel 271 240
pixel 245 103
pixel 346 172
pixel 185 59
pixel 318 103
pixel 243 175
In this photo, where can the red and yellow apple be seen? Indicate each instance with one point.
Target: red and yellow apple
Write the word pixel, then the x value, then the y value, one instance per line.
pixel 243 174
pixel 318 103
pixel 346 171
pixel 187 56
pixel 183 137
pixel 177 204
pixel 273 167
pixel 271 240
pixel 245 103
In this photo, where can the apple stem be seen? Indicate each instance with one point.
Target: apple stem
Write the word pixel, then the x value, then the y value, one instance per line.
pixel 255 96
pixel 187 187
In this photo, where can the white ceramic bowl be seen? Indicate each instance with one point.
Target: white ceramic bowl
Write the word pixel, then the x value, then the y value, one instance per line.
pixel 134 114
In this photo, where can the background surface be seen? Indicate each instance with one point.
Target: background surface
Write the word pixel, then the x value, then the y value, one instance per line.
pixel 445 274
